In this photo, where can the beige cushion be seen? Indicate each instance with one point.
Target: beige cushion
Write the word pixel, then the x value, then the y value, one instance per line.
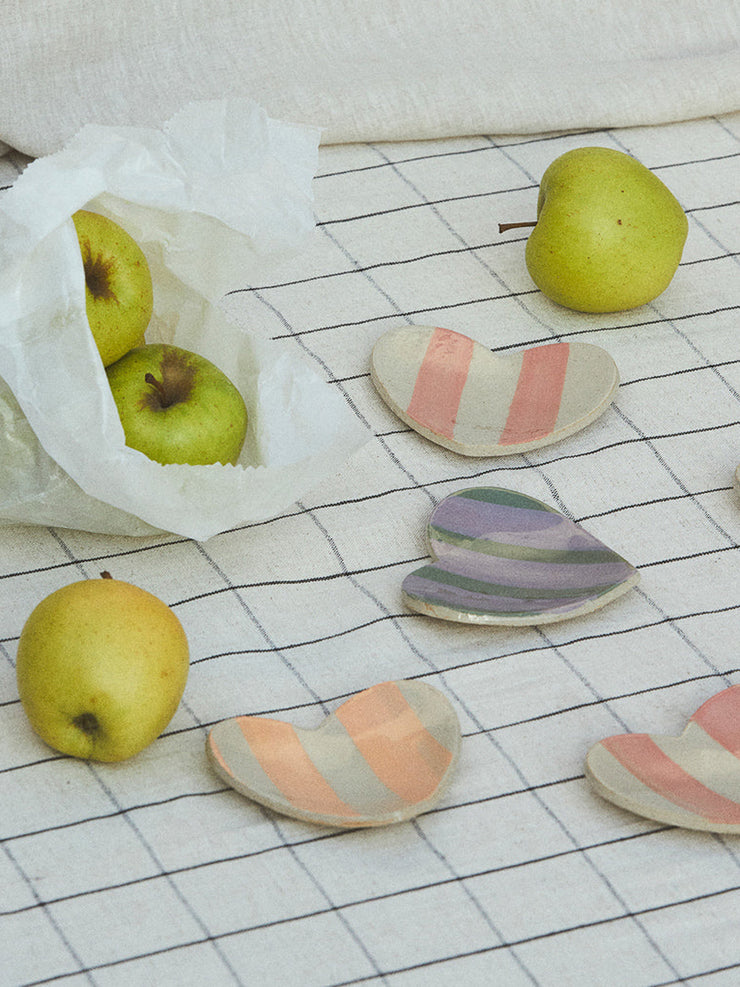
pixel 386 69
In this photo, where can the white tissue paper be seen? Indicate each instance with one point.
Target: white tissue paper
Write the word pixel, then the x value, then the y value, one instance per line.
pixel 212 198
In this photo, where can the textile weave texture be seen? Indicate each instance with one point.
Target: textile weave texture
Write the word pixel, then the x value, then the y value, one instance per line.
pixel 368 71
pixel 153 871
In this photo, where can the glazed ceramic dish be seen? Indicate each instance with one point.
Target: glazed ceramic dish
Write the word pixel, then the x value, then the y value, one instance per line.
pixel 501 557
pixel 691 781
pixel 462 396
pixel 385 755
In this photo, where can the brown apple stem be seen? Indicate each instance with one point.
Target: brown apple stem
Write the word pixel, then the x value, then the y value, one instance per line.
pixel 105 575
pixel 503 227
pixel 164 397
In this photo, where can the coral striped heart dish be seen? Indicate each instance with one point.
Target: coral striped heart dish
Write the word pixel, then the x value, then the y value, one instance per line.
pixel 691 781
pixel 385 755
pixel 501 557
pixel 457 393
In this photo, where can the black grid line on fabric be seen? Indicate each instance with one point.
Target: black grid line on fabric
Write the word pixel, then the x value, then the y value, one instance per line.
pixel 685 492
pixel 420 258
pixel 297 844
pixel 452 153
pixel 581 331
pixel 503 147
pixel 270 644
pixel 309 352
pixel 433 206
pixel 90 558
pixel 598 923
pixel 54 926
pixel 377 266
pixel 455 876
pixel 648 828
pixel 700 976
pixel 509 945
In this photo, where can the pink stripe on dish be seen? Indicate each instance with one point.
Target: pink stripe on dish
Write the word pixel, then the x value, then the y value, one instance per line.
pixel 641 756
pixel 440 381
pixel 720 718
pixel 539 390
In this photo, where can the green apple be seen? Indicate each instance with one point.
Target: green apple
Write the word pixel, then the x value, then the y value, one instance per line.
pixel 101 668
pixel 178 407
pixel 118 285
pixel 609 234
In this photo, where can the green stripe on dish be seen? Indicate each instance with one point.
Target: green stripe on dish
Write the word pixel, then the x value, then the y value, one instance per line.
pixel 524 553
pixel 434 574
pixel 506 498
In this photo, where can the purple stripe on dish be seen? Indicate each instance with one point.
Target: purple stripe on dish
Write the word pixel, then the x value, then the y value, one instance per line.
pixel 529 574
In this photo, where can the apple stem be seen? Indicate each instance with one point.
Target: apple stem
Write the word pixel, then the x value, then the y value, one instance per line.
pixel 164 398
pixel 503 227
pixel 105 575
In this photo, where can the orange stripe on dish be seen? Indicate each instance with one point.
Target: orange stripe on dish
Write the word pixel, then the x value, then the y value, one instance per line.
pixel 283 759
pixel 394 742
pixel 440 381
pixel 641 756
pixel 719 717
pixel 534 408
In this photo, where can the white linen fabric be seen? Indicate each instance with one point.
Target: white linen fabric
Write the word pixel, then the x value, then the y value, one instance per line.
pixel 153 872
pixel 373 70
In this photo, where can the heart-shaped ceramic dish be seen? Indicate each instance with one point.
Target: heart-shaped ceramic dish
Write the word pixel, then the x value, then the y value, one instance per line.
pixel 501 557
pixel 457 393
pixel 385 755
pixel 692 780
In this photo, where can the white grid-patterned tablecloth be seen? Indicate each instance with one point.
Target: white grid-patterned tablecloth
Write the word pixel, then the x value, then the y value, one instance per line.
pixel 152 872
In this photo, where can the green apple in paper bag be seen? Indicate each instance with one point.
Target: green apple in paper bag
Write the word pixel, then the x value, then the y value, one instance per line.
pixel 176 406
pixel 118 285
pixel 101 668
pixel 609 234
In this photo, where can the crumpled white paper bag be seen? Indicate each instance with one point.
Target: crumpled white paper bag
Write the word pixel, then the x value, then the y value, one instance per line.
pixel 212 198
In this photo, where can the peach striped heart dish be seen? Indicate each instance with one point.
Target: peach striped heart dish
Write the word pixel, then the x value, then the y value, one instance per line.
pixel 384 756
pixel 457 393
pixel 691 781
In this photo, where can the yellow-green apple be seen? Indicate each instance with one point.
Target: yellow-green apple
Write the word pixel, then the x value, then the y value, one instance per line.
pixel 176 406
pixel 118 285
pixel 101 668
pixel 609 234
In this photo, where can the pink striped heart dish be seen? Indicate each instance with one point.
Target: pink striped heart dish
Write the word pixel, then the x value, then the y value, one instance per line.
pixel 459 394
pixel 692 780
pixel 385 755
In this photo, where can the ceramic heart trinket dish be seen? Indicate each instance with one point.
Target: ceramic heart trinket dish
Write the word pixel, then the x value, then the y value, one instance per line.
pixel 501 557
pixel 385 755
pixel 692 780
pixel 457 393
